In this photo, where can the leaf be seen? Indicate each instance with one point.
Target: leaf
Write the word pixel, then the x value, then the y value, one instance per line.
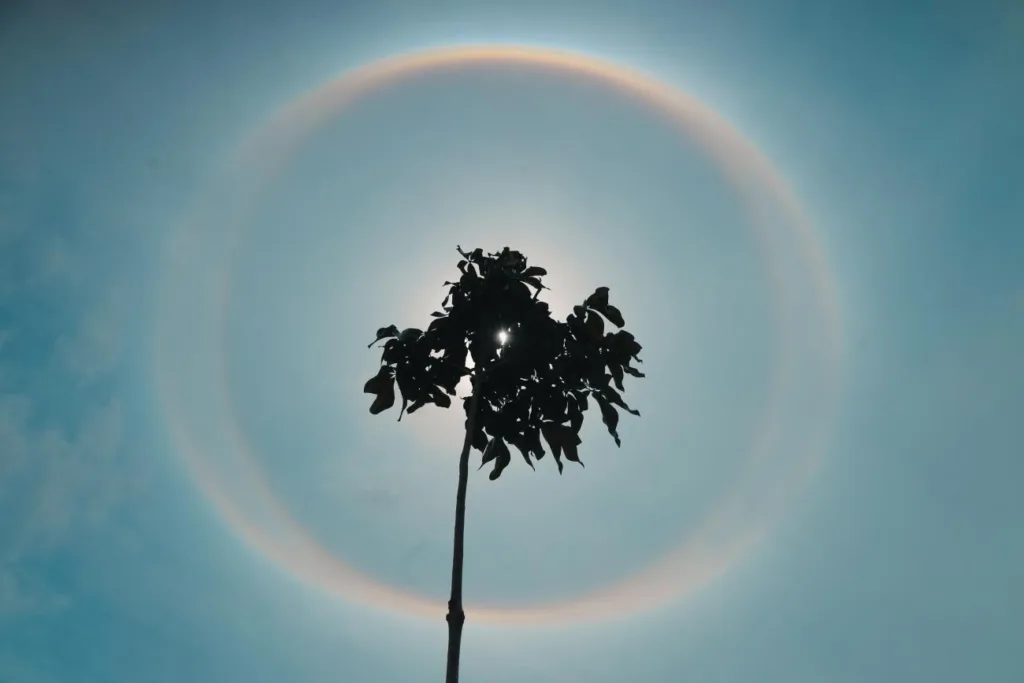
pixel 581 399
pixel 633 371
pixel 520 290
pixel 439 331
pixel 554 442
pixel 441 399
pixel 410 334
pixel 610 417
pixel 562 439
pixel 532 438
pixel 594 325
pixel 616 398
pixel 534 282
pixel 625 343
pixel 385 398
pixel 575 416
pixel 598 300
pixel 384 333
pixel 537 398
pixel 502 458
pixel 613 314
pixel 616 371
pixel 479 439
pixel 570 443
pixel 524 450
pixel 377 383
pixel 489 454
pixel 392 352
pixel 407 385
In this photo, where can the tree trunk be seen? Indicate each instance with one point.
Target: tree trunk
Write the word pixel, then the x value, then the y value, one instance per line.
pixel 456 616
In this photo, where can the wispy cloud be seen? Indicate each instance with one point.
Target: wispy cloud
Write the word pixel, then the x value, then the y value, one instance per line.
pixel 60 431
pixel 53 486
pixel 92 349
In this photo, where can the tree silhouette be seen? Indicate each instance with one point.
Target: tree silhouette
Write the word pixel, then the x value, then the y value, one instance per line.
pixel 532 376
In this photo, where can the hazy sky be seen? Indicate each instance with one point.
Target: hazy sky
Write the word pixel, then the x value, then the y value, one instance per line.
pixel 192 489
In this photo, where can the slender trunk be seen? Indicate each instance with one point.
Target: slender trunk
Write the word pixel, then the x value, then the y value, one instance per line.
pixel 456 616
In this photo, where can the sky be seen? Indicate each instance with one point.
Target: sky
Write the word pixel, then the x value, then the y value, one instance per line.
pixel 821 487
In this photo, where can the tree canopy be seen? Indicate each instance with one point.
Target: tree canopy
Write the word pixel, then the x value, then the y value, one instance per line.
pixel 537 383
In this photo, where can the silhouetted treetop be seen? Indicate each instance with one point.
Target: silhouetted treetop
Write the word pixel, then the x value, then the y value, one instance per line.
pixel 534 375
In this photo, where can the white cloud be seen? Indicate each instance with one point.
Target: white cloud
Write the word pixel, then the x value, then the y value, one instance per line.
pixel 16 598
pixel 92 349
pixel 54 487
pixel 60 440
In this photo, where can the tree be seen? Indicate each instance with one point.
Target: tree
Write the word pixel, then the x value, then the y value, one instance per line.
pixel 532 377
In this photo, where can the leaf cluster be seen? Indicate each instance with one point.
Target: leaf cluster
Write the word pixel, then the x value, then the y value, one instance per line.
pixel 537 385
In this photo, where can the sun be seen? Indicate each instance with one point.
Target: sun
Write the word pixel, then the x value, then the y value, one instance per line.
pixel 502 337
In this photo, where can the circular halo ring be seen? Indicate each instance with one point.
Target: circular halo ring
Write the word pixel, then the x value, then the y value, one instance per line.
pixel 278 536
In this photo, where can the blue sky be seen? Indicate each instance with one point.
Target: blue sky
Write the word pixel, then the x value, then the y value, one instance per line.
pixel 897 126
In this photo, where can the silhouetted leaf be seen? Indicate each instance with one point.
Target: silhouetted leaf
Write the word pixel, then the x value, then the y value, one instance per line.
pixel 532 439
pixel 538 391
pixel 479 438
pixel 581 399
pixel 410 334
pixel 375 383
pixel 488 454
pixel 610 417
pixel 613 315
pixel 594 325
pixel 534 282
pixel 575 417
pixel 441 399
pixel 625 343
pixel 614 397
pixel 392 352
pixel 521 445
pixel 616 371
pixel 572 454
pixel 502 458
pixel 384 400
pixel 384 333
pixel 598 300
pixel 562 439
pixel 554 442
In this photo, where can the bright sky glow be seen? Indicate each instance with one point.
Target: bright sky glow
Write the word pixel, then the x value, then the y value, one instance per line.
pixel 897 126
